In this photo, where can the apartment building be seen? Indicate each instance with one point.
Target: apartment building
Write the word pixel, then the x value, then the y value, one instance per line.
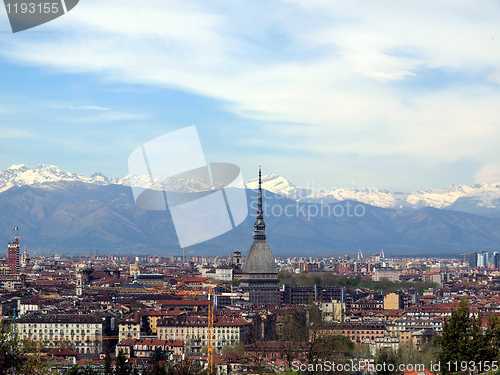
pixel 193 331
pixel 86 333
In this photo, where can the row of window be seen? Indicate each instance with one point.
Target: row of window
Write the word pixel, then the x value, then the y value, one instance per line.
pixel 83 341
pixel 72 332
pixel 60 325
pixel 223 330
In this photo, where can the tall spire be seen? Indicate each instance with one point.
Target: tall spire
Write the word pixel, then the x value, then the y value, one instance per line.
pixel 259 233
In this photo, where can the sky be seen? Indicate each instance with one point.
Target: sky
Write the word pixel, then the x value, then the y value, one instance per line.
pixel 392 95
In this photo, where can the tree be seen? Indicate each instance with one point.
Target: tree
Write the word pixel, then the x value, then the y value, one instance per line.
pixel 464 339
pixel 186 366
pixel 20 357
pixel 122 366
pixel 292 336
pixel 324 344
pixel 239 348
pixel 107 364
pixel 8 348
pixel 388 361
pixel 157 365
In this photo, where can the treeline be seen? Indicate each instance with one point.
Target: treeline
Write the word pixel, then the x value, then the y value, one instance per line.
pixel 329 279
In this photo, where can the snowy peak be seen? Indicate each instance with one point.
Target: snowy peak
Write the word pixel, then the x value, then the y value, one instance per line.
pixel 20 175
pixel 280 185
pixel 481 198
pixel 273 183
pixel 472 199
pixel 17 167
pixel 438 198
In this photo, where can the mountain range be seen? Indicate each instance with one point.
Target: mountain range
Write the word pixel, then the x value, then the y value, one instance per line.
pixel 68 213
pixel 481 199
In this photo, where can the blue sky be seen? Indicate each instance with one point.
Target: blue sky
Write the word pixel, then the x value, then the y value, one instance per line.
pixel 390 94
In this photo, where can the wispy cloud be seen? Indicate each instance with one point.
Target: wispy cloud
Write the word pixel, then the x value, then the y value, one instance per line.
pixel 6 133
pixel 82 107
pixel 345 72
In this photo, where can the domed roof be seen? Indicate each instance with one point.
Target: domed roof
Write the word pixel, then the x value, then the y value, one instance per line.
pixel 260 259
pixel 36 267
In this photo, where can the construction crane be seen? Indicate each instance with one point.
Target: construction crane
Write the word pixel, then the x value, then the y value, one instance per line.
pixel 210 351
pixel 211 297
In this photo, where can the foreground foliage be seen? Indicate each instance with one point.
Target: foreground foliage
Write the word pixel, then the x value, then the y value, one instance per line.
pixel 464 339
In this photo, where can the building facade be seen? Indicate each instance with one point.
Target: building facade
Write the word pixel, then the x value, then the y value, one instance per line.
pixel 193 331
pixel 86 334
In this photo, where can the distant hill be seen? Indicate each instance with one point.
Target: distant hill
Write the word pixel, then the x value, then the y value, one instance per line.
pixel 73 216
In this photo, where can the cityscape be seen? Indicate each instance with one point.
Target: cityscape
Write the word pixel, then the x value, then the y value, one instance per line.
pixel 232 314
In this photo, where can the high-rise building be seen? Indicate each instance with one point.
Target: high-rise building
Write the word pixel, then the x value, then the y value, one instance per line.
pixel 13 256
pixel 495 260
pixel 473 260
pixel 260 275
pixel 482 259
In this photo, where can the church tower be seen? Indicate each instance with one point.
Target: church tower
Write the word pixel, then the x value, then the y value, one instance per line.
pixel 79 284
pixel 260 274
pixel 13 256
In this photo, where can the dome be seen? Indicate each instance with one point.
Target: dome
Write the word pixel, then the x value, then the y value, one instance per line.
pixel 37 267
pixel 260 259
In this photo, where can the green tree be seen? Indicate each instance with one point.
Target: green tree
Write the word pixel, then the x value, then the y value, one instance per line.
pixel 238 348
pixel 323 342
pixel 388 362
pixel 454 342
pixel 122 366
pixel 20 357
pixel 157 365
pixel 8 348
pixel 464 339
pixel 108 370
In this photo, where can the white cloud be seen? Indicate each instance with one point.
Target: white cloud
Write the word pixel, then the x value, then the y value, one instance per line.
pixel 344 70
pixel 489 173
pixel 6 133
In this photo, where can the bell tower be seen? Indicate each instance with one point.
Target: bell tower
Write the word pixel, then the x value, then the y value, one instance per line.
pixel 79 284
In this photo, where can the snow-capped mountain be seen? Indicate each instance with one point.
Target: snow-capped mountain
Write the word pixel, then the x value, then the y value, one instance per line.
pixel 280 185
pixel 478 199
pixel 483 199
pixel 20 175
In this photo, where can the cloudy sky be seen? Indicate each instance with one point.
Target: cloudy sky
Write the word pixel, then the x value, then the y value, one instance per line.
pixel 389 94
